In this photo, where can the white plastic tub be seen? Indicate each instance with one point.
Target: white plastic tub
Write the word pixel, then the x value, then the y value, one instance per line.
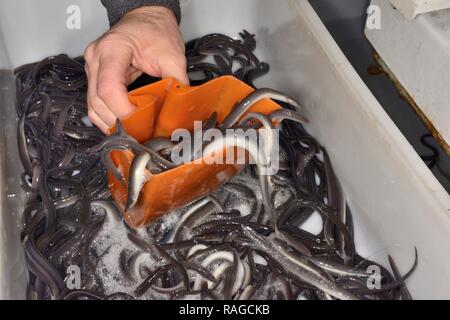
pixel 425 44
pixel 396 202
pixel 411 8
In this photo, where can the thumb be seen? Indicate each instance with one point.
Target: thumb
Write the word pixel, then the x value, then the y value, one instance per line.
pixel 173 66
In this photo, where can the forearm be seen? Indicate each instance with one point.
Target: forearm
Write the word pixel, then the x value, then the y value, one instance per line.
pixel 118 8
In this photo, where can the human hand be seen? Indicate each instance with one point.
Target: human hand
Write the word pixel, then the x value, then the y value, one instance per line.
pixel 146 39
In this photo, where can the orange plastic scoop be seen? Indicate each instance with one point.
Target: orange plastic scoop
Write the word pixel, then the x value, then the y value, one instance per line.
pixel 163 107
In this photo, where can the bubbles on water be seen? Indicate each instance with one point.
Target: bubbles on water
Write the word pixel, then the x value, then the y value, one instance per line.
pixel 112 240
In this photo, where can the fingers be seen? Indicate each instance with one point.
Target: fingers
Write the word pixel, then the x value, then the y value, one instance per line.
pixel 145 40
pixel 98 112
pixel 95 119
pixel 165 65
pixel 174 67
pixel 114 69
pixel 108 73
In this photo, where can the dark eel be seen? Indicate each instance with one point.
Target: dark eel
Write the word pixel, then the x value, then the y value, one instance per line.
pixel 68 202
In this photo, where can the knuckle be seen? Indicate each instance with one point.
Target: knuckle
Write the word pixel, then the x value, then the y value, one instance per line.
pixel 92 115
pixel 86 68
pixel 105 90
pixel 103 45
pixel 180 61
pixel 175 59
pixel 89 52
pixel 106 41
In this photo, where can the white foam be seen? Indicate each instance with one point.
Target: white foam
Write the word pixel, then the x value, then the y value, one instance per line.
pixel 314 224
pixel 113 237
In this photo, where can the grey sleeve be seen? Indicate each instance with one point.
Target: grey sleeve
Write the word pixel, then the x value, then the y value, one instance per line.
pixel 118 8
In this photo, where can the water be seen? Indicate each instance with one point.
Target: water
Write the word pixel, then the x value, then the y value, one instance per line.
pixel 112 240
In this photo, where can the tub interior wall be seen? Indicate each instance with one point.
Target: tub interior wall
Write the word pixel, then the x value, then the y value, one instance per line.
pixel 394 199
pixel 4 60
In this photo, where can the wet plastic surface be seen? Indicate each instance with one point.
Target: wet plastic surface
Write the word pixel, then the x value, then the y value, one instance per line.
pixel 346 25
pixel 163 107
pixel 12 267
